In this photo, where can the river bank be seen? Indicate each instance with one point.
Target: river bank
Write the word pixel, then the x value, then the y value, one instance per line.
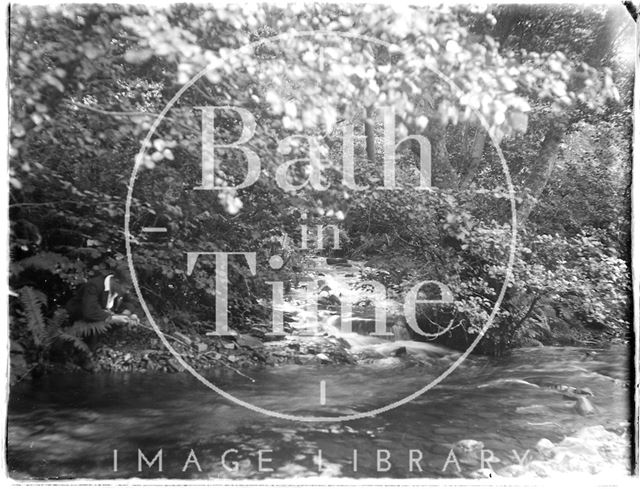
pixel 309 337
pixel 139 349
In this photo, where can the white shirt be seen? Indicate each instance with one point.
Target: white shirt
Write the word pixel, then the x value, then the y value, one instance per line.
pixel 111 298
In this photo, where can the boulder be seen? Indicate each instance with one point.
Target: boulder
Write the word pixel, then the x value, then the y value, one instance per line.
pixel 468 452
pixel 323 358
pixel 584 407
pixel 249 341
pixel 546 448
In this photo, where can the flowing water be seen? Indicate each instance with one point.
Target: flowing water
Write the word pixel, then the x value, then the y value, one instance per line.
pixel 68 426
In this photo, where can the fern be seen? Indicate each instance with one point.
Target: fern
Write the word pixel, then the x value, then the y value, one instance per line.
pixel 45 332
pixel 58 320
pixel 82 328
pixel 74 340
pixel 32 301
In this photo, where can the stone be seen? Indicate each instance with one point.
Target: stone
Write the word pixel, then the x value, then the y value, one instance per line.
pixel 337 261
pixel 546 448
pixel 182 337
pixel 175 365
pixel 323 358
pixel 202 347
pixel 584 407
pixel 328 299
pixel 468 450
pixel 248 341
pixel 303 359
pixel 229 345
pixel 274 336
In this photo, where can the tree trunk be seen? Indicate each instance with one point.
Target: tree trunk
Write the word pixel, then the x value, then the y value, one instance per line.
pixel 369 132
pixel 541 169
pixel 475 159
pixel 444 175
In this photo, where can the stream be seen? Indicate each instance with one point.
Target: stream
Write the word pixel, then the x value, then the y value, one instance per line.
pixel 68 426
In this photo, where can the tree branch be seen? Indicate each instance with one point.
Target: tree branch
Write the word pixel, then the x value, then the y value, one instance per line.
pixel 113 113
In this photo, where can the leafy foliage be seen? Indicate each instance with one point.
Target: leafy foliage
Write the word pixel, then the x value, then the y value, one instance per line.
pixel 32 302
pixel 89 80
pixel 84 328
pixel 45 332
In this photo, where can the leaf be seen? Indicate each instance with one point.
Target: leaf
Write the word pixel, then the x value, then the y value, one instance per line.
pixel 91 51
pixel 32 302
pixel 137 56
pixel 519 121
pixel 83 328
pixel 75 340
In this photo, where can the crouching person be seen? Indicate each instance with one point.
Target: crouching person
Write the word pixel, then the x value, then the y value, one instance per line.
pixel 99 304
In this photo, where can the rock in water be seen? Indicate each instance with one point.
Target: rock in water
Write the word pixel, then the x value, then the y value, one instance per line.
pixel 468 452
pixel 585 391
pixel 546 448
pixel 323 358
pixel 584 407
